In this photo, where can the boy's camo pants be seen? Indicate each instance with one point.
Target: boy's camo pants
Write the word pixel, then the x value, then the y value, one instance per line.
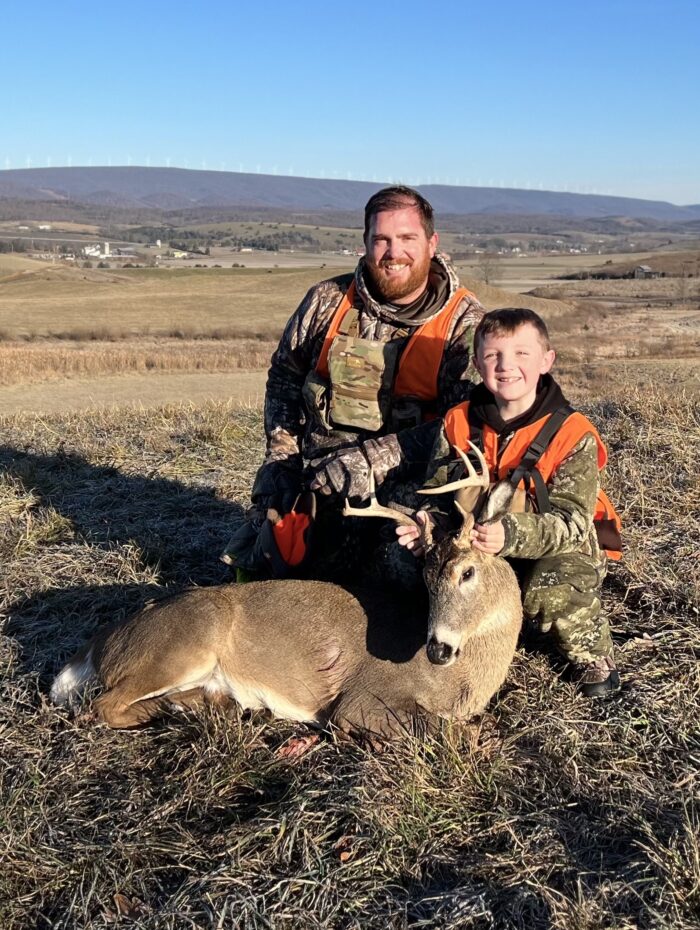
pixel 561 597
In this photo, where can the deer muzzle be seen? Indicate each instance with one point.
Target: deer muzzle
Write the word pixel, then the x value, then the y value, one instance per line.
pixel 440 652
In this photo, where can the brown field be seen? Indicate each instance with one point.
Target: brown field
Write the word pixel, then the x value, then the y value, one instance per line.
pixel 22 363
pixel 550 813
pixel 69 328
pixel 58 300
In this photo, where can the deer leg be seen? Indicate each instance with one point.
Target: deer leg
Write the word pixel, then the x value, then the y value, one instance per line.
pixel 119 713
pixel 369 714
pixel 195 697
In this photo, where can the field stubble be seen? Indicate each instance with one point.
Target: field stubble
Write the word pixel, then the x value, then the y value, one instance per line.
pixel 22 363
pixel 550 812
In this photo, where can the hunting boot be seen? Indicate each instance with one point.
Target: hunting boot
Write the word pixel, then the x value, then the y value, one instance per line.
pixel 598 678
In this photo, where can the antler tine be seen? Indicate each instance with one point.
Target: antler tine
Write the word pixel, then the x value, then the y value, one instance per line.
pixel 377 510
pixel 473 479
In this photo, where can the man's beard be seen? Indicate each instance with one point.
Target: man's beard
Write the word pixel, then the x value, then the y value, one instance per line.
pixel 392 290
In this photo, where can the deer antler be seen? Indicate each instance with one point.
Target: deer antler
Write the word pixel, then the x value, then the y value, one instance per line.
pixel 377 510
pixel 472 480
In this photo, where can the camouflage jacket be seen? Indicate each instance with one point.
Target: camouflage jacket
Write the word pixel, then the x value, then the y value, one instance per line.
pixel 573 489
pixel 293 437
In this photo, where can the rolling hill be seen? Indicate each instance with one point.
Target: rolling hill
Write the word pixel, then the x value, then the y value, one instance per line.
pixel 179 188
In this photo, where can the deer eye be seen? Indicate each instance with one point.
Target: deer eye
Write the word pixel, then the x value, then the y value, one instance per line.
pixel 467 573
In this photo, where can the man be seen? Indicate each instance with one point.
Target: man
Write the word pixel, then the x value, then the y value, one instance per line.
pixel 365 359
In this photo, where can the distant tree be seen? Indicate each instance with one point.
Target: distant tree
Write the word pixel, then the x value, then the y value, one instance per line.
pixel 487 266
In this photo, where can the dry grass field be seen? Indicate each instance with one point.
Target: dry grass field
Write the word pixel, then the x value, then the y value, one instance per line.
pixel 71 328
pixel 59 300
pixel 549 813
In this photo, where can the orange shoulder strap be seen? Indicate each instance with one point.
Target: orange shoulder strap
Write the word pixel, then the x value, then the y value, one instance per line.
pixel 338 314
pixel 420 363
pixel 568 436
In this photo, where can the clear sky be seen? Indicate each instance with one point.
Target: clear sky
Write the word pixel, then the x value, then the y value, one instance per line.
pixel 589 97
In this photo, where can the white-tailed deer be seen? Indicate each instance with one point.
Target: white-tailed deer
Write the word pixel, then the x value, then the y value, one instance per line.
pixel 314 651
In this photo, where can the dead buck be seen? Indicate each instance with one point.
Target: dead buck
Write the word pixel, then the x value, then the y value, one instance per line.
pixel 316 652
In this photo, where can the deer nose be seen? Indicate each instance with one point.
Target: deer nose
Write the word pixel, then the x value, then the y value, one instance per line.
pixel 440 653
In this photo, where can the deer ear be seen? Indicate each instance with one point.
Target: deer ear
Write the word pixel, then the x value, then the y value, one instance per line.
pixel 498 502
pixel 463 538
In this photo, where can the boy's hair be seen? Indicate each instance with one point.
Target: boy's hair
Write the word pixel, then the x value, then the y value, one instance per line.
pixel 506 321
pixel 398 198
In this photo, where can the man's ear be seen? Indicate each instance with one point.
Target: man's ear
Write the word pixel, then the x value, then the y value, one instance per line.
pixel 433 244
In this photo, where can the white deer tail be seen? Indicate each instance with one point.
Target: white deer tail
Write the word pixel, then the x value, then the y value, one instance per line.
pixel 73 678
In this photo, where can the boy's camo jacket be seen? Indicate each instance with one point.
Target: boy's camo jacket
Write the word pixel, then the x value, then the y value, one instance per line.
pixel 573 490
pixel 289 435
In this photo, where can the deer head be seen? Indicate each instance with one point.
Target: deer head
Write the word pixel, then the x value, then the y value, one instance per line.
pixel 463 583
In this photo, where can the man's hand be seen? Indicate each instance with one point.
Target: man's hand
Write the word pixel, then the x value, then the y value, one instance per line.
pixel 488 537
pixel 344 473
pixel 277 485
pixel 413 537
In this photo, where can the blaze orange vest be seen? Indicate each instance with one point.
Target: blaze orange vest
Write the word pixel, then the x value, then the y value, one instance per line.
pixel 562 444
pixel 419 365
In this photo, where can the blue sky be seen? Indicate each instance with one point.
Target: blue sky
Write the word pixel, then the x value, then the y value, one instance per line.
pixel 597 97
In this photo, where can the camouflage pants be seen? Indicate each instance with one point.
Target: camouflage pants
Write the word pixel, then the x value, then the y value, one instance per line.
pixel 561 598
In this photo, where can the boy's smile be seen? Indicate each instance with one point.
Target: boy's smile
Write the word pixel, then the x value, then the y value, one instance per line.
pixel 511 365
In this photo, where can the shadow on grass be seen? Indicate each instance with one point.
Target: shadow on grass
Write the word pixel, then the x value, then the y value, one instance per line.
pixel 179 527
pixel 148 526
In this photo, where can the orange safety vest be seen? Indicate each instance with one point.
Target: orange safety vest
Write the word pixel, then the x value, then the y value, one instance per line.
pixel 419 365
pixel 562 444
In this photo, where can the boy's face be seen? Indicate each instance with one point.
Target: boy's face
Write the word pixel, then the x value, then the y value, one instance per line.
pixel 511 364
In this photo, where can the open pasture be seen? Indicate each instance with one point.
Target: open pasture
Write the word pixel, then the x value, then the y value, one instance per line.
pixel 72 337
pixel 59 300
pixel 108 336
pixel 550 813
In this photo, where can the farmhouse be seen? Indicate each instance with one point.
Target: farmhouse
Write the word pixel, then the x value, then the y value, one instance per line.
pixel 644 271
pixel 96 251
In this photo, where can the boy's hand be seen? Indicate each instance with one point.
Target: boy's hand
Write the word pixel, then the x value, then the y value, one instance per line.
pixel 488 537
pixel 412 537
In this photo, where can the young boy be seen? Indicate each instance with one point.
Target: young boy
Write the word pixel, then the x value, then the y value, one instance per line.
pixel 555 546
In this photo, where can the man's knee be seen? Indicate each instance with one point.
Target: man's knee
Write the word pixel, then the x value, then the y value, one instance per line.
pixel 395 564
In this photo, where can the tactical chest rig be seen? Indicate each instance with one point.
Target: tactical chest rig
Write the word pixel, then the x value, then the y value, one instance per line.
pixel 371 385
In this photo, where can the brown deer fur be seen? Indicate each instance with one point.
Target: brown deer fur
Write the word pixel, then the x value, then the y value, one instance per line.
pixel 313 651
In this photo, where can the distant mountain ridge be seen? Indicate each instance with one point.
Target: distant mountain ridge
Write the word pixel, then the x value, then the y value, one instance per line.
pixel 182 188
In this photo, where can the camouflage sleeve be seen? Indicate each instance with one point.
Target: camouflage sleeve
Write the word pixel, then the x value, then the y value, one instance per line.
pixel 289 367
pixel 457 374
pixel 568 528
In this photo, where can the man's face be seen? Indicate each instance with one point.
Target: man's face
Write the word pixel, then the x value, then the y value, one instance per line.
pixel 398 254
pixel 511 364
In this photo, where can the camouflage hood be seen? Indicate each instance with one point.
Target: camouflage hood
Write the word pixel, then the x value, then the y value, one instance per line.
pixel 442 285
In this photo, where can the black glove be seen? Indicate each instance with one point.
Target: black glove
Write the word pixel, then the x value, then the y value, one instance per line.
pixel 277 485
